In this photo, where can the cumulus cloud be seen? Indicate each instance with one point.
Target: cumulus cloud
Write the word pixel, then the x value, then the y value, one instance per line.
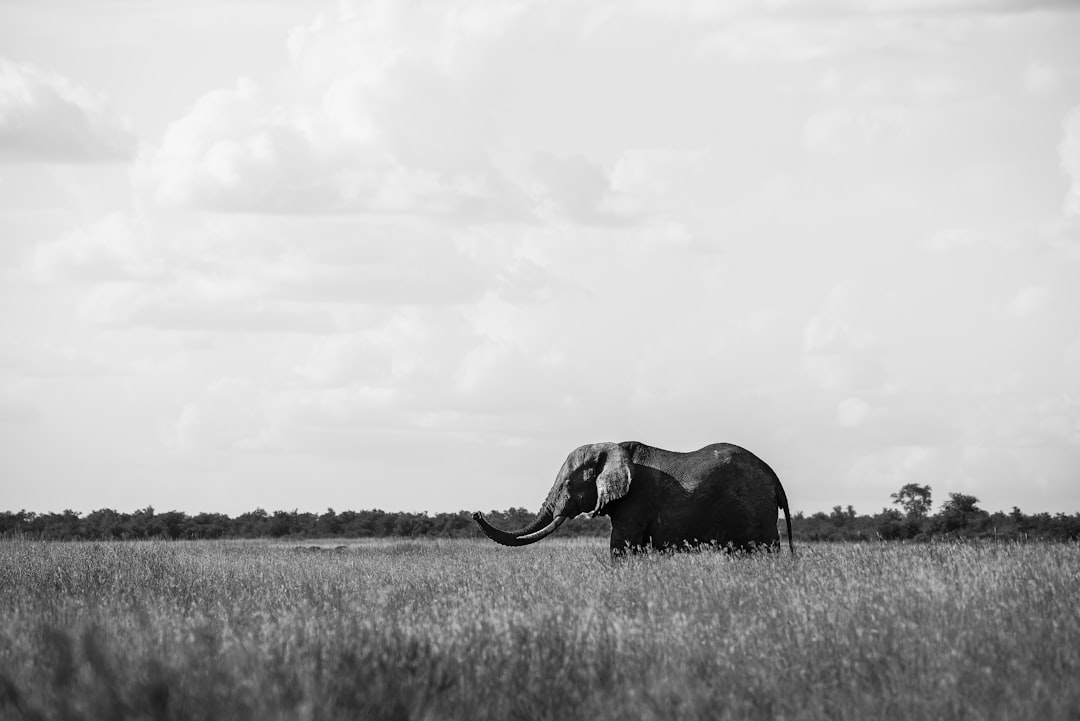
pixel 955 239
pixel 853 29
pixel 256 273
pixel 852 412
pixel 835 327
pixel 1029 301
pixel 380 111
pixel 871 112
pixel 115 247
pixel 574 185
pixel 18 403
pixel 651 182
pixel 841 355
pixel 224 418
pixel 226 153
pixel 1070 160
pixel 841 128
pixel 1041 78
pixel 45 117
pixel 51 361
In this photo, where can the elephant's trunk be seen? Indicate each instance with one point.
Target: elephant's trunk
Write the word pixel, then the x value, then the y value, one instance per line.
pixel 540 528
pixel 550 517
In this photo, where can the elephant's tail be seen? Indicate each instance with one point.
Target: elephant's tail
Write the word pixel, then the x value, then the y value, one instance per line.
pixel 782 502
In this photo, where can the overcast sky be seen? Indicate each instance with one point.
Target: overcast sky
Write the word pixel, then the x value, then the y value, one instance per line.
pixel 407 255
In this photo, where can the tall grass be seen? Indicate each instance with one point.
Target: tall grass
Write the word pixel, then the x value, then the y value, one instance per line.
pixel 466 630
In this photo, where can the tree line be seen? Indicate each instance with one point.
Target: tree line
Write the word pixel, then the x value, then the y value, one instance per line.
pixel 958 517
pixel 910 519
pixel 107 524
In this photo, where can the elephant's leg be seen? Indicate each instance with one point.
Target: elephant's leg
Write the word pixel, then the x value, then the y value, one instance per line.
pixel 627 536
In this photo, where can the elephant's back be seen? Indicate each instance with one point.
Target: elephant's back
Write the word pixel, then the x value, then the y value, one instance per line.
pixel 731 478
pixel 720 461
pixel 717 469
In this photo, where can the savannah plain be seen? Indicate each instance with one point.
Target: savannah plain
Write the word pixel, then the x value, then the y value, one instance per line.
pixel 461 629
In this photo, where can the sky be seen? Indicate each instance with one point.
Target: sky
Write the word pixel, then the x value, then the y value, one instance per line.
pixel 408 255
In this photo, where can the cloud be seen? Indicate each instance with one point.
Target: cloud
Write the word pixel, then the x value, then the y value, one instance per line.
pixel 234 150
pixel 1024 419
pixel 842 128
pixel 44 117
pixel 840 354
pixel 18 403
pixel 820 30
pixel 956 239
pixel 506 366
pixel 224 418
pixel 1062 231
pixel 50 361
pixel 862 111
pixel 333 395
pixel 852 412
pixel 574 185
pixel 835 328
pixel 890 467
pixel 1070 160
pixel 803 36
pixel 201 304
pixel 1041 78
pixel 660 182
pixel 229 273
pixel 380 111
pixel 114 247
pixel 1028 302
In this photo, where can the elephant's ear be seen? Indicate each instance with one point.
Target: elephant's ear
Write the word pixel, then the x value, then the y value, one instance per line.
pixel 613 481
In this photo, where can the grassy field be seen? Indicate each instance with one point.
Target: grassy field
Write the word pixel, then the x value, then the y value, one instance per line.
pixel 468 630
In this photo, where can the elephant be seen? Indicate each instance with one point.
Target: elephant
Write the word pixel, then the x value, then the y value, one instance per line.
pixel 720 495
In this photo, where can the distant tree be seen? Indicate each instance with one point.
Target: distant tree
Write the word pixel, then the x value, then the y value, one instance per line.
pixel 16 522
pixel 328 525
pixel 140 523
pixel 251 524
pixel 841 517
pixel 64 525
pixel 961 503
pixel 890 524
pixel 207 525
pixel 170 524
pixel 453 525
pixel 380 522
pixel 304 523
pixel 362 524
pixel 960 515
pixel 404 525
pixel 103 524
pixel 914 499
pixel 282 523
pixel 1067 528
pixel 960 512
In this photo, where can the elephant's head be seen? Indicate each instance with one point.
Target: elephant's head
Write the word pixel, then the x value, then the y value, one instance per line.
pixel 591 477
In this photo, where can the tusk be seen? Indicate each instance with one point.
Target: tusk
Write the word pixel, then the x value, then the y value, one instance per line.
pixel 555 523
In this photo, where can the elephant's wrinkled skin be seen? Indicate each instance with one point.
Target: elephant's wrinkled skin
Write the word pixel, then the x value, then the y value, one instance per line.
pixel 721 494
